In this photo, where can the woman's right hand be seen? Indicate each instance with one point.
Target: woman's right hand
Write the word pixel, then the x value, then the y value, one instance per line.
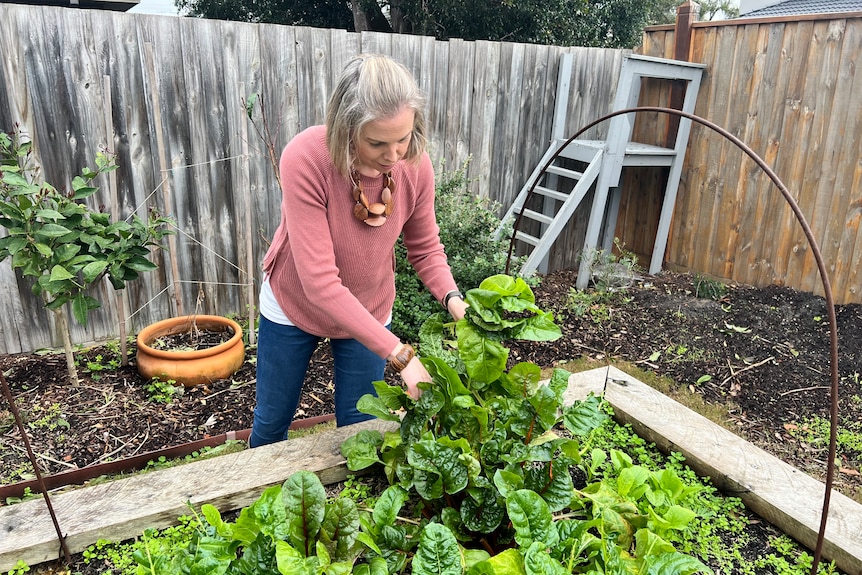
pixel 414 374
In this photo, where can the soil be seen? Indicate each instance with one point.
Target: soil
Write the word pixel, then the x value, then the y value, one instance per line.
pixel 755 359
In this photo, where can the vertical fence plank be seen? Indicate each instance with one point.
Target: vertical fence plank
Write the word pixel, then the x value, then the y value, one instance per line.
pixel 833 107
pixel 848 190
pixel 485 87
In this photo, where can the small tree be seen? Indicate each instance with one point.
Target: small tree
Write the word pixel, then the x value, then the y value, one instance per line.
pixel 56 239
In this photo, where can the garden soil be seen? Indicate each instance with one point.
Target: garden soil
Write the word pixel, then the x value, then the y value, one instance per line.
pixel 756 360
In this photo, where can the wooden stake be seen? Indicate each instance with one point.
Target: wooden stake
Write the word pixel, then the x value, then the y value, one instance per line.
pixel 249 256
pixel 115 211
pixel 163 170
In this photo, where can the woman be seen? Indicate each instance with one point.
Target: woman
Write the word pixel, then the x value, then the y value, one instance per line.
pixel 349 190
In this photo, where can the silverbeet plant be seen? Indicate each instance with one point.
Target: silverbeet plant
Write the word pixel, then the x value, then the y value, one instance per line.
pixel 480 472
pixel 487 455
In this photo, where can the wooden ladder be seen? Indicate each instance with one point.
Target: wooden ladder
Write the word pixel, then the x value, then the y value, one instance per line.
pixel 560 190
pixel 563 187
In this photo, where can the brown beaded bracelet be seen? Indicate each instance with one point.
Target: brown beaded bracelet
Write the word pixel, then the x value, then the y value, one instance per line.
pixel 402 358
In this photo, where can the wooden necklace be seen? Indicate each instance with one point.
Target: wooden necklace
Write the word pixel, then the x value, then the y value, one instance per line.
pixel 374 214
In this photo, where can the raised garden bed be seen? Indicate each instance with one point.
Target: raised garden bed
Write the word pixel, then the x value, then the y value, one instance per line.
pixel 124 508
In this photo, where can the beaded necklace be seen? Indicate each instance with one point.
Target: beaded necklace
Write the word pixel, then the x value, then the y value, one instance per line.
pixel 373 214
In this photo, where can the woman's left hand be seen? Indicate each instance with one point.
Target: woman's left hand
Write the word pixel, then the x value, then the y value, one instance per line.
pixel 457 308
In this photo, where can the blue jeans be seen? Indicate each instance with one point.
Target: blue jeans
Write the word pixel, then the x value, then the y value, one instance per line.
pixel 283 354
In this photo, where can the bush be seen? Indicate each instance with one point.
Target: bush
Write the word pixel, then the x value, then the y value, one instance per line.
pixel 467 224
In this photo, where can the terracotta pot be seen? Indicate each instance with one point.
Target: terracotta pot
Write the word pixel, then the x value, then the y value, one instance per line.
pixel 190 367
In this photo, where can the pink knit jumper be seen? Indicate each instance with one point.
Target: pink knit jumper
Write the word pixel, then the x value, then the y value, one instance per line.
pixel 333 275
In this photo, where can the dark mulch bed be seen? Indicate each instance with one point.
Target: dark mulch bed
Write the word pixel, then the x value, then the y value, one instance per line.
pixel 765 350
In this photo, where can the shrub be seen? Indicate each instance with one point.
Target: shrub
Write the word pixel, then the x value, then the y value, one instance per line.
pixel 467 224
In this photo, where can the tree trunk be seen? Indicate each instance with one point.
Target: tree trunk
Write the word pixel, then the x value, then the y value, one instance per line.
pixel 367 16
pixel 360 18
pixel 60 315
pixel 399 24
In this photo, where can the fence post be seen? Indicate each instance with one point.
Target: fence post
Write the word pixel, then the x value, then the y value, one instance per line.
pixel 686 15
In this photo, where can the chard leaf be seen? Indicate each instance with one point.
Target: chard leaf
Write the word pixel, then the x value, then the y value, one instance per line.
pixel 377 406
pixel 213 556
pixel 213 517
pixel 555 488
pixel 292 562
pixel 509 562
pixel 484 359
pixel 442 373
pixel 304 503
pixel 360 450
pixel 620 459
pixel 508 481
pixel 559 382
pixel 482 302
pixel 523 379
pixel 482 512
pixel 670 484
pixel 583 417
pixel 539 328
pixel 266 515
pixel 389 505
pixel 545 404
pixel 376 566
pixel 632 481
pixel 676 563
pixel 258 556
pixel 437 469
pixel 340 527
pixel 659 557
pixel 508 285
pixel 676 517
pixel 369 542
pixel 450 517
pixel 537 561
pixel 438 552
pixel 393 396
pixel 531 518
pixel 474 556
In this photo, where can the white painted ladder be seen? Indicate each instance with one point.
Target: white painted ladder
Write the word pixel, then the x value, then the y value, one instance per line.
pixel 563 188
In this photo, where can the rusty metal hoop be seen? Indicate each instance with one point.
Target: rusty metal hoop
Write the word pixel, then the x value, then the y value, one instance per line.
pixel 815 251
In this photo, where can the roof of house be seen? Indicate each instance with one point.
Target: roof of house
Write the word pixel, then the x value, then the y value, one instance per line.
pixel 118 5
pixel 796 7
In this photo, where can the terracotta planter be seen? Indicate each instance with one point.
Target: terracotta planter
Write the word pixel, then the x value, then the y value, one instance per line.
pixel 190 367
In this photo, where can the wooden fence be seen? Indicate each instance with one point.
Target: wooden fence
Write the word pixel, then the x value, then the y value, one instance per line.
pixel 167 95
pixel 790 89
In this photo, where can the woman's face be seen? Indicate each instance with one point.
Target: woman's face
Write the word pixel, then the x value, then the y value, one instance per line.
pixel 382 143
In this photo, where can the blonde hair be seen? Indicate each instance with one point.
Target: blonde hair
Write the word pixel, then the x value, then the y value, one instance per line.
pixel 372 87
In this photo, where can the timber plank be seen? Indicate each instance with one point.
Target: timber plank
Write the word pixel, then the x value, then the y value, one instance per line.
pixel 122 509
pixel 791 162
pixel 779 493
